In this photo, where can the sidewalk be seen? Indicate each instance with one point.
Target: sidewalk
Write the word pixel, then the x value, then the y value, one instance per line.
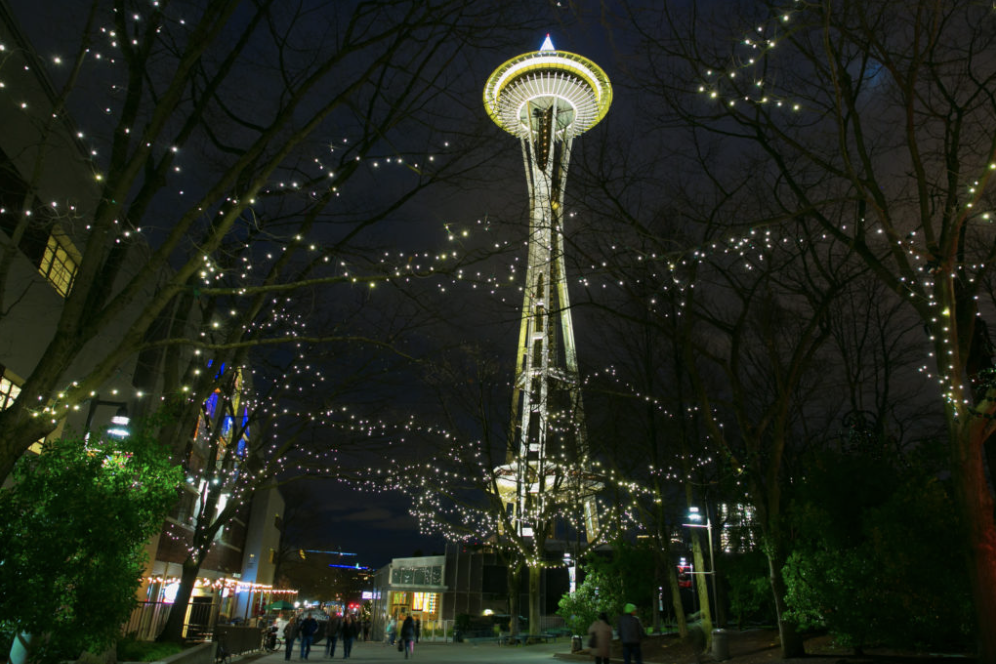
pixel 376 652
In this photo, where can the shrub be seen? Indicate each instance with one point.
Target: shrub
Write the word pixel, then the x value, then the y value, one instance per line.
pixel 131 650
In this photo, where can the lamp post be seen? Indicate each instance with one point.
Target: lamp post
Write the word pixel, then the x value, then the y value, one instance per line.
pixel 694 515
pixel 120 419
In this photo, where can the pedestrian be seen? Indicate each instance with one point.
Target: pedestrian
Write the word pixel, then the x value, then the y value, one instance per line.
pixel 348 634
pixel 392 630
pixel 366 629
pixel 418 629
pixel 600 641
pixel 334 631
pixel 407 641
pixel 631 634
pixel 309 626
pixel 290 633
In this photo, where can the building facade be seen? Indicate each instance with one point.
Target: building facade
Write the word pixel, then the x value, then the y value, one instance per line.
pixel 464 581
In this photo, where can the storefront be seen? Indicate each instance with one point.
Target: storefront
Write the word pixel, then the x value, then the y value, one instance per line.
pixel 410 586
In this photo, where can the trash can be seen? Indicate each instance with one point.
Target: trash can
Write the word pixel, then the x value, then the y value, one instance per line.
pixel 720 645
pixel 575 643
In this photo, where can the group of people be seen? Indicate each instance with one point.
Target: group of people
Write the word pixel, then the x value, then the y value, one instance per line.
pixel 306 629
pixel 631 635
pixel 406 636
pixel 347 628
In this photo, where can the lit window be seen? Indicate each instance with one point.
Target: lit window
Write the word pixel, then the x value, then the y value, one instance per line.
pixel 8 391
pixel 59 264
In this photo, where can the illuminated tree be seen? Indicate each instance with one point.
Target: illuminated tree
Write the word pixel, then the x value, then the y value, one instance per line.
pixel 232 127
pixel 455 478
pixel 871 121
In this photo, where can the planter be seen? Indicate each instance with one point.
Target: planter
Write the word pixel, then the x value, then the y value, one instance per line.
pixel 202 653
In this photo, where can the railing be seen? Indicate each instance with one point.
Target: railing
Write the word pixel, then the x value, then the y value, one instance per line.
pixel 238 640
pixel 149 618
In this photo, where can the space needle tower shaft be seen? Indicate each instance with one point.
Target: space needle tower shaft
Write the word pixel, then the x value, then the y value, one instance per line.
pixel 546 98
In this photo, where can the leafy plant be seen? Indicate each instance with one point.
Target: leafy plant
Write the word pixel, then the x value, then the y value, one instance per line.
pixel 748 588
pixel 131 650
pixel 72 530
pixel 879 550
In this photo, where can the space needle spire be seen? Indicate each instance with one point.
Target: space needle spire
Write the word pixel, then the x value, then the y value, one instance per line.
pixel 546 98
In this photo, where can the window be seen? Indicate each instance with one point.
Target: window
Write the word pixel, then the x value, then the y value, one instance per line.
pixel 59 263
pixel 8 389
pixel 431 575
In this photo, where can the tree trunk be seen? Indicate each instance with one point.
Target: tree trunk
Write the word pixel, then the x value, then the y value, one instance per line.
pixel 975 502
pixel 792 645
pixel 679 608
pixel 535 583
pixel 702 587
pixel 173 631
pixel 514 581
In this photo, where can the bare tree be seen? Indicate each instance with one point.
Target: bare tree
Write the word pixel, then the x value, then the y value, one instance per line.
pixel 284 114
pixel 873 121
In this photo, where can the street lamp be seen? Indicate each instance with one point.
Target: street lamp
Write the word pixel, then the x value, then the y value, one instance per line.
pixel 120 419
pixel 695 516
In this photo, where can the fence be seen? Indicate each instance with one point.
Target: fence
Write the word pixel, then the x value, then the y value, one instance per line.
pixel 238 640
pixel 149 618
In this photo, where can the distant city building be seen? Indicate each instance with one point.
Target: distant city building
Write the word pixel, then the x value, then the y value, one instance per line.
pixel 465 580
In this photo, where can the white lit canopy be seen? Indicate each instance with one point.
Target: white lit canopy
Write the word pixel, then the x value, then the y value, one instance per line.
pixel 578 86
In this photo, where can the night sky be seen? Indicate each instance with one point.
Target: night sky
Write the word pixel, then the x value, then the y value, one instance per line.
pixel 378 526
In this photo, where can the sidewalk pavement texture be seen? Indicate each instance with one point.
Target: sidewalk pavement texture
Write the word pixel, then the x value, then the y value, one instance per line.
pixel 757 646
pixel 378 652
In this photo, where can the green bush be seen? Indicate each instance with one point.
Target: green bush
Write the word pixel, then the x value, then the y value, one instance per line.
pixel 883 548
pixel 73 528
pixel 749 589
pixel 131 650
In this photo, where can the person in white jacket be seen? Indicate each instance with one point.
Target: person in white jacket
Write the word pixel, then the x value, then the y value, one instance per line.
pixel 601 639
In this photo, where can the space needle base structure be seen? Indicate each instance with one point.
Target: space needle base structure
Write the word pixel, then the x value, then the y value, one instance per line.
pixel 546 98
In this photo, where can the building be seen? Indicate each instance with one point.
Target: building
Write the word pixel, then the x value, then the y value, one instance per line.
pixel 465 580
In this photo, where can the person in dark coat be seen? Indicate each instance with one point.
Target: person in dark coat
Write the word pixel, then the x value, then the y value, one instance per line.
pixel 601 633
pixel 290 633
pixel 418 629
pixel 309 627
pixel 348 634
pixel 332 635
pixel 631 634
pixel 408 636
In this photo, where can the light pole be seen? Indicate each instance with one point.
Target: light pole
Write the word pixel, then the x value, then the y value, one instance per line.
pixel 694 515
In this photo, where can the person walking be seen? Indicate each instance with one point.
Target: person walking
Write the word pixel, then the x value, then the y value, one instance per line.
pixel 290 633
pixel 418 629
pixel 408 637
pixel 366 629
pixel 392 631
pixel 631 634
pixel 333 632
pixel 601 639
pixel 309 626
pixel 348 634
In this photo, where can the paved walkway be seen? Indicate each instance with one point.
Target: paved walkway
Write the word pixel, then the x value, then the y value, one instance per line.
pixel 370 652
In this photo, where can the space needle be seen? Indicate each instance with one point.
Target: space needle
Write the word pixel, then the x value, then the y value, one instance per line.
pixel 546 98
